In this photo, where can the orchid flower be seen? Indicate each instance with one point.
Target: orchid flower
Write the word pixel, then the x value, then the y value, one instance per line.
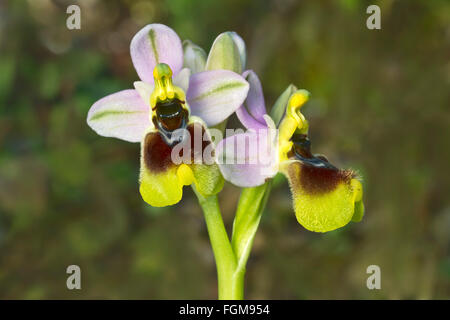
pixel 182 94
pixel 169 97
pixel 324 197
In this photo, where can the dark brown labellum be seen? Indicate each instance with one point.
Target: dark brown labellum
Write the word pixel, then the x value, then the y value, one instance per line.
pixel 157 152
pixel 314 174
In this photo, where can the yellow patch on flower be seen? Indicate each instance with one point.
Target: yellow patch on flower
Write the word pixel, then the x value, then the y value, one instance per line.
pixel 161 189
pixel 324 199
pixel 162 181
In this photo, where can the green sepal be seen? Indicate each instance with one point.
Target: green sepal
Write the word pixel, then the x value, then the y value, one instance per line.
pixel 359 211
pixel 248 215
pixel 224 54
pixel 194 57
pixel 208 179
pixel 279 108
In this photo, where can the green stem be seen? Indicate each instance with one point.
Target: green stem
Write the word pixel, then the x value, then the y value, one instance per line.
pixel 231 258
pixel 223 253
pixel 248 215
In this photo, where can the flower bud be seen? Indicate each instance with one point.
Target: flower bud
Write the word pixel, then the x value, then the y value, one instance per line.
pixel 194 57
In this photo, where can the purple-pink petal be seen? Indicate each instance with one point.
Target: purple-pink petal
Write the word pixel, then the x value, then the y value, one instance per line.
pixel 123 115
pixel 252 111
pixel 153 44
pixel 214 95
pixel 248 159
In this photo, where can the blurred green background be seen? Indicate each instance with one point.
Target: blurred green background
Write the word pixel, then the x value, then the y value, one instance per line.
pixel 380 104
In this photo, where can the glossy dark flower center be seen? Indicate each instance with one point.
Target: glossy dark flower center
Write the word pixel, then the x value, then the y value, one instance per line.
pixel 170 116
pixel 302 151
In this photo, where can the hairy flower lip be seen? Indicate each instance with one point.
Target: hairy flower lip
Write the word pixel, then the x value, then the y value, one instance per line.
pixel 161 160
pixel 315 180
pixel 324 197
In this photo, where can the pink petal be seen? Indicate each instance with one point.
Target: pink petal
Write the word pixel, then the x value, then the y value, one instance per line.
pixel 252 111
pixel 122 115
pixel 153 44
pixel 214 95
pixel 248 159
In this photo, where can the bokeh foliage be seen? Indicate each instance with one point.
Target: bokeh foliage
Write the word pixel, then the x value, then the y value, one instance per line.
pixel 380 104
